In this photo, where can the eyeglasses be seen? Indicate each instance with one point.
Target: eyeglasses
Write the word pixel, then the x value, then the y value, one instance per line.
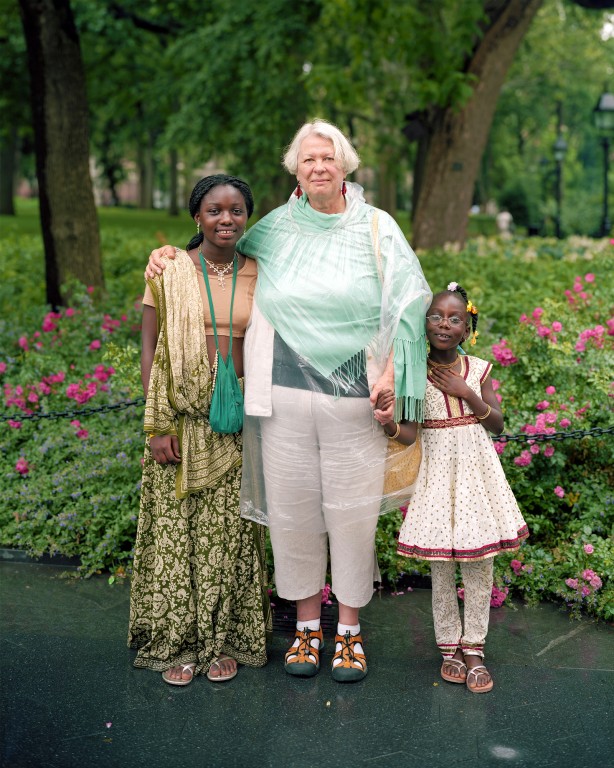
pixel 454 321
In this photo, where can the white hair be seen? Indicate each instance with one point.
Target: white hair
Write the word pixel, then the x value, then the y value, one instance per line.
pixel 346 156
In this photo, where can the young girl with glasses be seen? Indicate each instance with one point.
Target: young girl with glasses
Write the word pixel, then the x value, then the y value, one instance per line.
pixel 462 509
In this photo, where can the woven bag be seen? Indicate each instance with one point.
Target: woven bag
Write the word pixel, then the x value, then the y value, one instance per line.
pixel 402 465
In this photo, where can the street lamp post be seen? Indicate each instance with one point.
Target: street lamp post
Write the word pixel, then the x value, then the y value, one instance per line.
pixel 559 149
pixel 603 116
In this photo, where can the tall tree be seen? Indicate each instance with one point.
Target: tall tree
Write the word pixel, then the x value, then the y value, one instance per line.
pixel 59 109
pixel 456 136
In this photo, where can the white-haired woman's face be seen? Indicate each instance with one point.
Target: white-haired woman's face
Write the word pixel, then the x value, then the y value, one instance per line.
pixel 317 172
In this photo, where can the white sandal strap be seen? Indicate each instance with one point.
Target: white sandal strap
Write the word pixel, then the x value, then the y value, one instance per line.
pixel 476 670
pixel 458 663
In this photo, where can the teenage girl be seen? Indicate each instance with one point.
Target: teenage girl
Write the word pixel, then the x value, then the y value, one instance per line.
pixel 462 509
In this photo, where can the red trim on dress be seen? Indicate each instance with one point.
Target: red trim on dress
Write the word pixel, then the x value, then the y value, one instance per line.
pixel 488 550
pixel 486 372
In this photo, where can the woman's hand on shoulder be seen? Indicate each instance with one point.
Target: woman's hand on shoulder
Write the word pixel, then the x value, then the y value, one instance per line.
pixel 165 449
pixel 156 263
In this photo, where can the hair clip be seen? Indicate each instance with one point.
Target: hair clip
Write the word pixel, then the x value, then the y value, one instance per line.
pixel 474 337
pixel 452 286
pixel 472 308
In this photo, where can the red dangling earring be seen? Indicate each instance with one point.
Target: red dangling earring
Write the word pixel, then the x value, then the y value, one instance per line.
pixel 343 189
pixel 298 191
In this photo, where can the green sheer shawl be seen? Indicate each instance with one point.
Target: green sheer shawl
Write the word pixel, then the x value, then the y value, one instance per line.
pixel 320 288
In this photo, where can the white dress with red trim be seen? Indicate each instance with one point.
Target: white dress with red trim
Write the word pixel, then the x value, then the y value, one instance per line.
pixel 462 507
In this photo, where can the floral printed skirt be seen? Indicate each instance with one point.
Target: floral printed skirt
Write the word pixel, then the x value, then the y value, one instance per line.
pixel 198 583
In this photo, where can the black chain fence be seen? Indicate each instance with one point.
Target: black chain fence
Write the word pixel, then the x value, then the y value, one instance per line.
pixel 139 401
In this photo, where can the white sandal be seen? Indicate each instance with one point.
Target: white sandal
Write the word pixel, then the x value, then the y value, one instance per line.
pixel 460 666
pixel 184 668
pixel 480 669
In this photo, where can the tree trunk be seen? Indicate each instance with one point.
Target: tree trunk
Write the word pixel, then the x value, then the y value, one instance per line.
pixel 60 115
pixel 386 183
pixel 8 153
pixel 146 175
pixel 458 136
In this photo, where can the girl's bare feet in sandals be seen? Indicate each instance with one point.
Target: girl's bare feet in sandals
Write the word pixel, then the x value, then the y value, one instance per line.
pixel 479 679
pixel 180 675
pixel 454 670
pixel 222 669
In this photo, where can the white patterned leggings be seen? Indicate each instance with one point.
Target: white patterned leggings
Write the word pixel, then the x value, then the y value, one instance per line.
pixel 477 582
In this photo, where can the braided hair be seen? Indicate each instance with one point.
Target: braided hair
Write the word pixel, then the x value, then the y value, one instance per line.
pixel 471 308
pixel 204 186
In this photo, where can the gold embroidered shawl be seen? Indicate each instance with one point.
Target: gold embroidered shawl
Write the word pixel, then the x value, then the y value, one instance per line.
pixel 180 384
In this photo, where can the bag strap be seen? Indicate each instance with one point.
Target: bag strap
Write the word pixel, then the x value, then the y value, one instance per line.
pixel 375 236
pixel 232 300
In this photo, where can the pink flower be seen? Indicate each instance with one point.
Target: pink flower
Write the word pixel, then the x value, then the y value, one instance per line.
pixel 75 423
pixel 564 423
pixel 543 330
pixel 550 390
pixel 523 319
pixel 498 397
pixel 503 354
pixel 499 446
pixel 595 582
pixel 495 384
pixel 516 566
pixel 22 466
pixel 69 312
pixel 577 286
pixel 82 434
pixel 95 344
pixel 537 313
pixel 90 289
pixel 534 448
pixel 589 277
pixel 461 593
pixel 2 367
pixel 542 405
pixel 589 549
pixel 23 343
pixel 572 583
pixel 556 326
pixel 587 574
pixel 586 591
pixel 523 460
pixel 325 599
pixel 559 491
pixel 497 596
pixel 14 424
pixel 548 451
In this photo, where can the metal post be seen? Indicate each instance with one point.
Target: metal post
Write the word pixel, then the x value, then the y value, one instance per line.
pixel 606 224
pixel 559 195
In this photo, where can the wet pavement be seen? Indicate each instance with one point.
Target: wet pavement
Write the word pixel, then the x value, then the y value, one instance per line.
pixel 71 698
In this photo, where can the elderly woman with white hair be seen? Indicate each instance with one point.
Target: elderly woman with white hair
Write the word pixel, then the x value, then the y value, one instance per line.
pixel 337 319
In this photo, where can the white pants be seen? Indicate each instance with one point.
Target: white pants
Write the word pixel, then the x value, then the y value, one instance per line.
pixel 477 583
pixel 321 492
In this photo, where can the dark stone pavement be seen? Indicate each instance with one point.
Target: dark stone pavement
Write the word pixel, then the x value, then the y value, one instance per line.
pixel 71 698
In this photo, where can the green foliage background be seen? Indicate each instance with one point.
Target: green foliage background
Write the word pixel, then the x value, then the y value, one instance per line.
pixel 80 496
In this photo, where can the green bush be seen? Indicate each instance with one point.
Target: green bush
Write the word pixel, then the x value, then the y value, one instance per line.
pixel 72 488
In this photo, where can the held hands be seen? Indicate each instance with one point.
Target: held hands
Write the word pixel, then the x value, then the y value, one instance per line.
pixel 165 449
pixel 156 263
pixel 383 405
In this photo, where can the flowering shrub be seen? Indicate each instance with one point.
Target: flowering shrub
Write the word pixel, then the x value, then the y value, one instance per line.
pixel 70 485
